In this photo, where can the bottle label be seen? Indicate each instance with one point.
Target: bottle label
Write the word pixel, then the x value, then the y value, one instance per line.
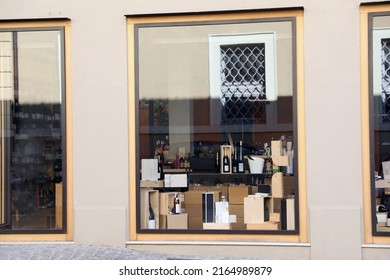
pixel 241 167
pixel 152 224
pixel 177 209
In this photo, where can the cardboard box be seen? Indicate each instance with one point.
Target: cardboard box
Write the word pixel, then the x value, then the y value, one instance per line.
pixel 263 226
pixel 152 184
pixel 194 212
pixel 153 197
pixel 381 218
pixel 237 209
pixel 149 168
pixel 237 194
pixel 222 212
pixel 287 214
pixel 195 222
pixel 277 186
pixel 277 158
pixel 253 209
pixel 58 205
pixel 222 188
pixel 288 185
pixel 166 202
pixel 274 217
pixel 176 180
pixel 276 205
pixel 194 209
pixel 163 221
pixel 195 197
pixel 177 221
pixel 239 224
pixel 216 226
pixel 232 219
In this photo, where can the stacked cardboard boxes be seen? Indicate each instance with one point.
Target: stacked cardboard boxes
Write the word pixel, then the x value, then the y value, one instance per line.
pixel 193 204
pixel 167 219
pixel 236 204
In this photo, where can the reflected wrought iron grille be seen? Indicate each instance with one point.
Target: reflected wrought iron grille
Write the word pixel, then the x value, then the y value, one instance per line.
pixel 243 84
pixel 385 70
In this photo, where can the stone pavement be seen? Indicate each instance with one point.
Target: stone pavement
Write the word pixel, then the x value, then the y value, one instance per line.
pixel 42 251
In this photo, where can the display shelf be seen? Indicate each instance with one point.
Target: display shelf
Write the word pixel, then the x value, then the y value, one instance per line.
pixel 234 178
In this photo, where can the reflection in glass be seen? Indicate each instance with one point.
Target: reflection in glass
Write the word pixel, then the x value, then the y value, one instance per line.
pixel 192 129
pixel 31 99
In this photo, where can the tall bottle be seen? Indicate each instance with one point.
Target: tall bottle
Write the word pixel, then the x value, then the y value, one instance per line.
pixel 176 205
pixel 217 169
pixel 188 162
pixel 152 219
pixel 226 161
pixel 240 161
pixel 234 160
pixel 160 169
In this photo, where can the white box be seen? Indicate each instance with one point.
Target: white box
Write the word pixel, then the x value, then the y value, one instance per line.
pixel 149 169
pixel 386 170
pixel 222 212
pixel 175 180
pixel 381 218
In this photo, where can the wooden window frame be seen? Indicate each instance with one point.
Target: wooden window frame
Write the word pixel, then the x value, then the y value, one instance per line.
pixel 132 21
pixel 67 233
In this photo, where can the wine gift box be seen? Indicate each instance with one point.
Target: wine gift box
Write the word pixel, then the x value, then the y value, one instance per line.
pixel 153 197
pixel 208 207
pixel 179 221
pixel 226 151
pixel 174 221
pixel 166 202
pixel 257 209
pixel 287 216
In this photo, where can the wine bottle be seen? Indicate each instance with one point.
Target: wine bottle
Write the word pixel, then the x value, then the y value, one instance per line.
pixel 176 205
pixel 217 170
pixel 240 161
pixel 188 162
pixel 226 161
pixel 234 161
pixel 160 169
pixel 152 219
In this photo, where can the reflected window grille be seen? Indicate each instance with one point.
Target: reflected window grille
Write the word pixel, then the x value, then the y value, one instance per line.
pixel 243 85
pixel 385 73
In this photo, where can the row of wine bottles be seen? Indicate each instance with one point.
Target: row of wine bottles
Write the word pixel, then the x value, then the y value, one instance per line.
pixel 232 160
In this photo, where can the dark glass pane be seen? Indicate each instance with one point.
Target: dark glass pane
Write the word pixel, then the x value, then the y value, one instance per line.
pixel 34 119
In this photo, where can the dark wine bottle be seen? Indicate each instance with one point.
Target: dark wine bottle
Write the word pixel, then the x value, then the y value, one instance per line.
pixel 217 168
pixel 240 163
pixel 226 161
pixel 160 169
pixel 152 219
pixel 234 160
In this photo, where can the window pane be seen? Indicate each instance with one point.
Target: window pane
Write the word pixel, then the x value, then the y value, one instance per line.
pixel 200 109
pixel 32 117
pixel 381 118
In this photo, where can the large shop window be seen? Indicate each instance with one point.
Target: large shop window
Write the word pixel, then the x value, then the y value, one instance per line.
pixel 32 130
pixel 216 108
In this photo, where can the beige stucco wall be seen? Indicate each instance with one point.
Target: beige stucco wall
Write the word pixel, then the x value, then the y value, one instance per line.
pixel 100 111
